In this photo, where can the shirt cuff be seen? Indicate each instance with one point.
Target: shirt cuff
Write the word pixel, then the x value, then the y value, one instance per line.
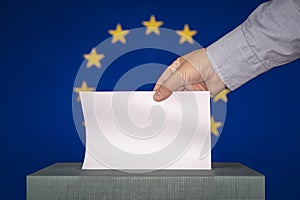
pixel 233 60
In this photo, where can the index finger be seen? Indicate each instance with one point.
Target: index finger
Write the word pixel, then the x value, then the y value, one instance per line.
pixel 168 72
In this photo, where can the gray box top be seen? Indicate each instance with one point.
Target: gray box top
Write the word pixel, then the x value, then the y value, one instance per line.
pixel 219 169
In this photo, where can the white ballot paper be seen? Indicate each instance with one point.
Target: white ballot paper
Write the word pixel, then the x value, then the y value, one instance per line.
pixel 129 130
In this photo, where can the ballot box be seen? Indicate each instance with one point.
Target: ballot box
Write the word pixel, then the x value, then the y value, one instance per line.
pixel 68 181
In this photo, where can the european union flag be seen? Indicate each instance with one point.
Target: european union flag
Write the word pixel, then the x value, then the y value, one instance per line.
pixel 51 50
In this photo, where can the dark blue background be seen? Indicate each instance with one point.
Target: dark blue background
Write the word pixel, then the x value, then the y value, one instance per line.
pixel 42 43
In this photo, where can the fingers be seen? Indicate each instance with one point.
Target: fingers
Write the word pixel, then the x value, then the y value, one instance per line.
pixel 174 82
pixel 162 93
pixel 168 72
pixel 180 75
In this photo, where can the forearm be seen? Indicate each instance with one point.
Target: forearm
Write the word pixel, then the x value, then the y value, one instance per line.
pixel 270 37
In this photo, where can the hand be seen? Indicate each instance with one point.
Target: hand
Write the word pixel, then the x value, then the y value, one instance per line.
pixel 191 72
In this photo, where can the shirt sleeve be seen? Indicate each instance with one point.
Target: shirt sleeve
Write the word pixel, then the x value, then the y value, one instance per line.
pixel 270 37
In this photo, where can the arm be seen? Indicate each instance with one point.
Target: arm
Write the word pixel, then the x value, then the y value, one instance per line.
pixel 270 37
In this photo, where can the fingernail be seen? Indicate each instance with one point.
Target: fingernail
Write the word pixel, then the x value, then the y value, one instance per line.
pixel 157 95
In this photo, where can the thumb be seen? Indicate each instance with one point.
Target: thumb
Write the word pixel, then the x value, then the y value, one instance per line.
pixel 174 82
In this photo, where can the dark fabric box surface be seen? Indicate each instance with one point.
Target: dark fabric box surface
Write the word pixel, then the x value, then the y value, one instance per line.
pixel 69 181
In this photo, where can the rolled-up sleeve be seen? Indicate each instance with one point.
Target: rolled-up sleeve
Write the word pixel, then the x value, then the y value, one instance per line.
pixel 270 37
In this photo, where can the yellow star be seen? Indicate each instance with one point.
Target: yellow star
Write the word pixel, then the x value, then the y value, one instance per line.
pixel 152 25
pixel 84 88
pixel 118 34
pixel 214 126
pixel 186 35
pixel 222 95
pixel 93 58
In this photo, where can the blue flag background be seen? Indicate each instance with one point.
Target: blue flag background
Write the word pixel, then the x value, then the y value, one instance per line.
pixel 42 43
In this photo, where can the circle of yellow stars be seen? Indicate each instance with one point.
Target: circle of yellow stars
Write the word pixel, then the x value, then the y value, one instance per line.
pixel 152 26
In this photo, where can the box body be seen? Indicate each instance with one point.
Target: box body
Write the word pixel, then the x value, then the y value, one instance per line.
pixel 68 181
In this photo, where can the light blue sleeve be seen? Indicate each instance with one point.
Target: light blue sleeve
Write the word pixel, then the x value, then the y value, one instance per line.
pixel 270 37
